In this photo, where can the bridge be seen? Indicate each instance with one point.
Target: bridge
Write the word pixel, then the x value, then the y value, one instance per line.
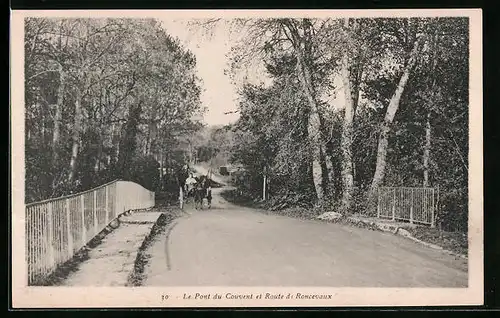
pixel 56 229
pixel 226 245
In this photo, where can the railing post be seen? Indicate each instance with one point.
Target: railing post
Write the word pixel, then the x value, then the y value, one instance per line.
pixel 394 205
pixel 264 189
pixel 27 240
pixel 106 208
pixel 94 214
pixel 411 206
pixel 181 201
pixel 117 200
pixel 378 202
pixel 433 210
pixel 37 238
pixel 68 230
pixel 84 228
pixel 50 230
pixel 113 198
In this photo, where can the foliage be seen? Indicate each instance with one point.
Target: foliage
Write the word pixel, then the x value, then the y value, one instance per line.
pixel 213 144
pixel 105 99
pixel 269 138
pixel 144 170
pixel 271 134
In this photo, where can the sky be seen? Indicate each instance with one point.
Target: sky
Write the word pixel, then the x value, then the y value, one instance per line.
pixel 219 94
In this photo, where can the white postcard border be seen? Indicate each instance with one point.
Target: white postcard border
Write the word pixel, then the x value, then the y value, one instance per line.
pixel 79 297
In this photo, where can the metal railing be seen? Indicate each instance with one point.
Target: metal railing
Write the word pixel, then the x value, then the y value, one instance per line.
pixel 416 205
pixel 58 228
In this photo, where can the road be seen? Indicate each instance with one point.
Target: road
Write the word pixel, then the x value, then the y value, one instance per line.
pixel 203 170
pixel 231 245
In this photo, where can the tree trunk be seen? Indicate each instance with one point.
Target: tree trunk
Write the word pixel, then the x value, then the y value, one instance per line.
pixel 318 141
pixel 161 172
pixel 115 143
pixel 427 149
pixel 427 146
pixel 152 137
pixel 147 148
pixel 129 141
pixel 383 140
pixel 314 132
pixel 356 85
pixel 97 167
pixel 76 133
pixel 117 153
pixel 56 136
pixel 347 130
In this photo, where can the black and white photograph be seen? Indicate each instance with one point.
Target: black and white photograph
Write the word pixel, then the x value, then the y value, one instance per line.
pixel 246 158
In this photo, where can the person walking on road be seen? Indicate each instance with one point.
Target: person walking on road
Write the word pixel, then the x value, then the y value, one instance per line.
pixel 182 176
pixel 209 194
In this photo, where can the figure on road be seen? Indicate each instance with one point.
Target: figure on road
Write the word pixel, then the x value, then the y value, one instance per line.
pixel 182 176
pixel 201 192
pixel 209 195
pixel 190 183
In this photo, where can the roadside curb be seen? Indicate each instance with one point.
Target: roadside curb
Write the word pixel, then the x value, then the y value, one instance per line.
pixel 403 232
pixel 168 229
pixel 139 222
pixel 163 222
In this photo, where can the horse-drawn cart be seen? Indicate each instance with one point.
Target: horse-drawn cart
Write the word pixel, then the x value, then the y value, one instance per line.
pixel 199 190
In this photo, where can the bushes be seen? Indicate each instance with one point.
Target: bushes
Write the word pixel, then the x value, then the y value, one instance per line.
pixel 144 170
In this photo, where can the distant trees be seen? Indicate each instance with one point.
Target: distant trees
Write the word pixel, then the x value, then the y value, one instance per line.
pixel 101 95
pixel 213 144
pixel 354 104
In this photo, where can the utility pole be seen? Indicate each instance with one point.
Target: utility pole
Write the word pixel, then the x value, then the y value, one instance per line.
pixel 211 167
pixel 264 184
pixel 161 171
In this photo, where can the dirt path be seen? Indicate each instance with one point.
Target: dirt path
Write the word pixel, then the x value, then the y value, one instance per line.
pixel 235 246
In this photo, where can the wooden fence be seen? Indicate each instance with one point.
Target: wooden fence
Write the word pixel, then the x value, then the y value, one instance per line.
pixel 416 205
pixel 58 228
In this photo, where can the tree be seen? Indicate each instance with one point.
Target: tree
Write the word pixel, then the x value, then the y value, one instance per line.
pixel 428 139
pixel 297 37
pixel 392 108
pixel 96 89
pixel 401 120
pixel 347 127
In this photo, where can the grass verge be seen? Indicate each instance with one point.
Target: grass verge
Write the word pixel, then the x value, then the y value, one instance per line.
pixel 455 242
pixel 267 207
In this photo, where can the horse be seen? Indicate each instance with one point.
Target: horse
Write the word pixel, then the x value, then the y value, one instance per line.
pixel 202 190
pixel 199 190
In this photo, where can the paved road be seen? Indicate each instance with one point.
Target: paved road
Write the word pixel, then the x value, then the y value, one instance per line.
pixel 234 246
